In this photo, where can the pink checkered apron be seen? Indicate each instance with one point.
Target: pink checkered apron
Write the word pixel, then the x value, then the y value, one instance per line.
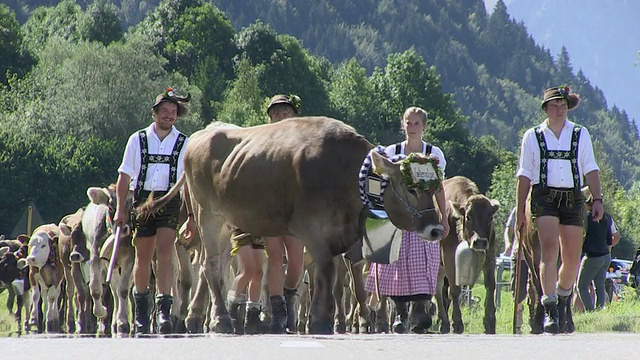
pixel 415 272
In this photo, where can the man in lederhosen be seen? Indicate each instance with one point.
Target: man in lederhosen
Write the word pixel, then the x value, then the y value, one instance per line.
pixel 153 162
pixel 554 158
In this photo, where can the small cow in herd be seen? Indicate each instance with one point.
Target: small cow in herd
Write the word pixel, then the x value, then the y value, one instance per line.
pixel 12 277
pixel 471 215
pixel 46 275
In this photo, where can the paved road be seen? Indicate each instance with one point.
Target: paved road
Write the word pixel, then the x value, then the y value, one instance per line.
pixel 603 346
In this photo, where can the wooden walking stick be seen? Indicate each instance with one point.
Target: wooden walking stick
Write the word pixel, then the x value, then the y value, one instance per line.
pixel 517 276
pixel 114 253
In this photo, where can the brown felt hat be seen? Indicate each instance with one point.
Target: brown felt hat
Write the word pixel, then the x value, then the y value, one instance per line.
pixel 284 99
pixel 169 95
pixel 561 92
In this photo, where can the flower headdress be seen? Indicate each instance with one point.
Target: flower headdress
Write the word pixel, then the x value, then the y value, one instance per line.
pixel 295 101
pixel 564 91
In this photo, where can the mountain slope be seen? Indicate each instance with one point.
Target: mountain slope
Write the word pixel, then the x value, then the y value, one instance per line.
pixel 602 37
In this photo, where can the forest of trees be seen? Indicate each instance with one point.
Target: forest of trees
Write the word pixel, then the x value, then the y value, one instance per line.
pixel 78 77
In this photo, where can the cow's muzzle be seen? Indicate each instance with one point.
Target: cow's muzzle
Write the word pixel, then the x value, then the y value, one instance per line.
pixel 432 233
pixel 479 243
pixel 76 257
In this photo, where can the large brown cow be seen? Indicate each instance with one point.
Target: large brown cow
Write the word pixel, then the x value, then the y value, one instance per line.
pixel 471 214
pixel 295 177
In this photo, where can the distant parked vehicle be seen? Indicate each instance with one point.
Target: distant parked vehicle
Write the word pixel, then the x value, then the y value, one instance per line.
pixel 617 278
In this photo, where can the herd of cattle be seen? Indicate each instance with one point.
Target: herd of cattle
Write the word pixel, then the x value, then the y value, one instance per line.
pixel 58 273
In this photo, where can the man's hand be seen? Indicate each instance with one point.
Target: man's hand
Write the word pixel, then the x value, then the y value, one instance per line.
pixel 445 225
pixel 597 211
pixel 188 229
pixel 520 222
pixel 120 218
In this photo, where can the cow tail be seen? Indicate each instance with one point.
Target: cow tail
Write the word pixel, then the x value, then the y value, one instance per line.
pixel 151 206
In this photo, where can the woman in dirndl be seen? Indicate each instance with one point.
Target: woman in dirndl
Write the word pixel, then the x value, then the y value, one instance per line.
pixel 411 280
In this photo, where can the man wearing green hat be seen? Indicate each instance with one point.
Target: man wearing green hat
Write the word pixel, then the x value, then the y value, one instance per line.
pixel 555 158
pixel 152 163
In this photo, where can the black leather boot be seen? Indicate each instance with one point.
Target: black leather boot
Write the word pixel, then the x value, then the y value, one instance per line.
pixel 419 318
pixel 401 323
pixel 551 322
pixel 253 323
pixel 290 300
pixel 236 312
pixel 163 314
pixel 565 317
pixel 278 315
pixel 142 319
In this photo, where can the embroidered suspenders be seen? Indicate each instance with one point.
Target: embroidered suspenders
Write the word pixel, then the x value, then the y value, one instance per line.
pixel 427 150
pixel 571 155
pixel 147 159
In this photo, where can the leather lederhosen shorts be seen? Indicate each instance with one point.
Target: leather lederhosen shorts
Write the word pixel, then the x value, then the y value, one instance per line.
pixel 166 217
pixel 249 240
pixel 565 204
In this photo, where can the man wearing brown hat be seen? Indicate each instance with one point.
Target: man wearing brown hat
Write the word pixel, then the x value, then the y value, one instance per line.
pixel 555 156
pixel 152 163
pixel 282 107
pixel 283 287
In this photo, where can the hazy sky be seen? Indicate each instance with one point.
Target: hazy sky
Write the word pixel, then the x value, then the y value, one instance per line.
pixel 602 38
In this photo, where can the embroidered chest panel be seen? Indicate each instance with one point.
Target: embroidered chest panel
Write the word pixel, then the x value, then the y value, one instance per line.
pixel 147 159
pixel 570 155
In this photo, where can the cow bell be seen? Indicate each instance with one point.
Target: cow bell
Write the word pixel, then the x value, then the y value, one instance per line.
pixel 468 264
pixel 382 244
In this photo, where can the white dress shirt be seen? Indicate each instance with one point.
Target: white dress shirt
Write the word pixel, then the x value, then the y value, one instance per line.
pixel 435 151
pixel 157 174
pixel 559 173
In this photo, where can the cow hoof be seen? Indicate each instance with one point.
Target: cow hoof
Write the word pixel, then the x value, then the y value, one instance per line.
pixel 458 327
pixel 536 327
pixel 194 325
pixel 490 326
pixel 340 328
pixel 223 325
pixel 445 328
pixel 71 327
pixel 179 327
pixel 383 328
pixel 53 327
pixel 124 329
pixel 365 328
pixel 320 329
